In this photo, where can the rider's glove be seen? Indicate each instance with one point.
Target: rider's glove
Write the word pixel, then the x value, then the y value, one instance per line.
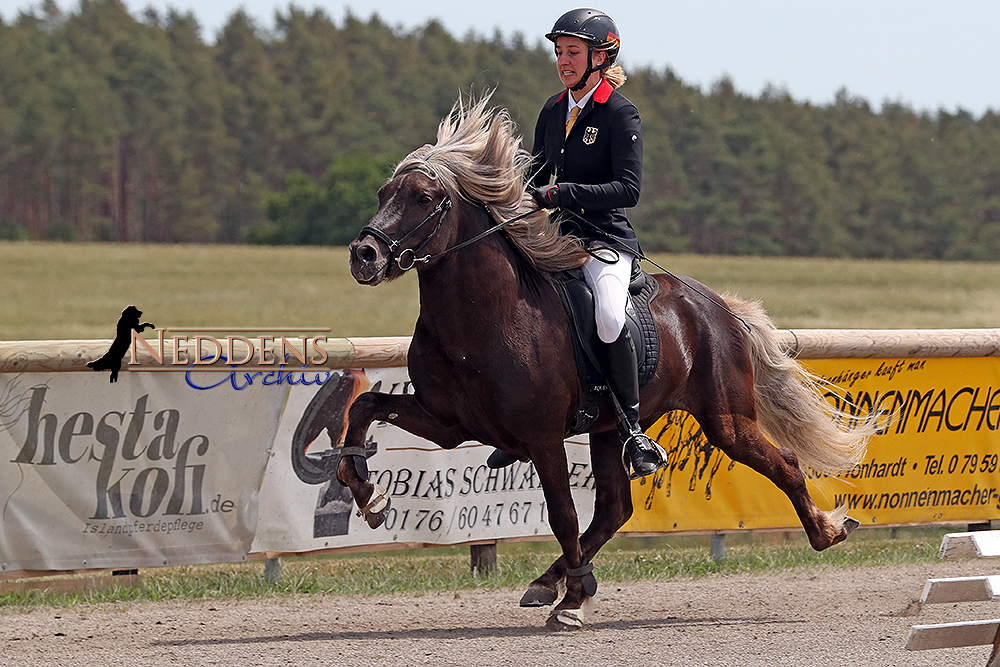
pixel 547 197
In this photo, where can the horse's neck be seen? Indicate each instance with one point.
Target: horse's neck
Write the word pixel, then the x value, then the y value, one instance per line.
pixel 475 289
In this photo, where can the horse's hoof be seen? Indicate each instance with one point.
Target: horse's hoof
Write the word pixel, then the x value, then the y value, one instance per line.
pixel 850 524
pixel 375 519
pixel 566 619
pixel 538 596
pixel 374 511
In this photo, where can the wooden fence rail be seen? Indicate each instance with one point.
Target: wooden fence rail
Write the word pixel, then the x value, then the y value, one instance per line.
pixel 53 356
pixel 72 356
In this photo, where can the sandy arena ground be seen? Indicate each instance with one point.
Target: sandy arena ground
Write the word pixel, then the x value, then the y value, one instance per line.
pixel 821 618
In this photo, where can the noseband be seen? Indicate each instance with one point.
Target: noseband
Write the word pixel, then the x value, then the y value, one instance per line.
pixel 440 210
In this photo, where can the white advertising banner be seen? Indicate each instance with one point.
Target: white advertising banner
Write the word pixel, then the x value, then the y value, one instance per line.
pixel 437 496
pixel 142 472
pixel 174 468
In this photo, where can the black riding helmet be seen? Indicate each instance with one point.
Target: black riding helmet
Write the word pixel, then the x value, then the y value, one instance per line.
pixel 596 29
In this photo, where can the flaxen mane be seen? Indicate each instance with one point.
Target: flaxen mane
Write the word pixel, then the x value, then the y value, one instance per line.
pixel 479 157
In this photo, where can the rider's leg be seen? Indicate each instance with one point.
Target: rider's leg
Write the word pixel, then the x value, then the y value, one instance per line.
pixel 619 364
pixel 608 274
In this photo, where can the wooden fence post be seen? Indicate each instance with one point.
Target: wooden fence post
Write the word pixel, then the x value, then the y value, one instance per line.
pixel 272 570
pixel 484 558
pixel 717 547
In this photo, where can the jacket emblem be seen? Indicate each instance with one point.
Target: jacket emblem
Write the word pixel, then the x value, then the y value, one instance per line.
pixel 590 135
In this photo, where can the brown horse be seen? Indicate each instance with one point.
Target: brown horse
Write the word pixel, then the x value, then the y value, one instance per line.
pixel 492 358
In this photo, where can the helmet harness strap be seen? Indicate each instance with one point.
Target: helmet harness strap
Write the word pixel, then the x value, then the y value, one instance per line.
pixel 590 68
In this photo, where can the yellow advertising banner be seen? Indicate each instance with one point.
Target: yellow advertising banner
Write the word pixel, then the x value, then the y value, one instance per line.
pixel 935 461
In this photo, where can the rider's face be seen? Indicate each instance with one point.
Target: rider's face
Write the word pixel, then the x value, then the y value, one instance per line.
pixel 571 59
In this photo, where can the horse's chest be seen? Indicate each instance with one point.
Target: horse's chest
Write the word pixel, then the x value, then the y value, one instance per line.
pixel 461 386
pixel 457 376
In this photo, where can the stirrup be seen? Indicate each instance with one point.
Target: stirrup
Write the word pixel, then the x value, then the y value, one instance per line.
pixel 641 455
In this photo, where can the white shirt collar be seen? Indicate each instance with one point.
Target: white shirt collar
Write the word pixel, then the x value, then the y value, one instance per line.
pixel 583 101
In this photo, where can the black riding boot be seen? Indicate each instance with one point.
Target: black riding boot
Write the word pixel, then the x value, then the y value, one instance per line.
pixel 642 456
pixel 501 459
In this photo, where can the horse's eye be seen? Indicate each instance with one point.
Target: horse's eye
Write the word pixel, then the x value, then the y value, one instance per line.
pixel 424 199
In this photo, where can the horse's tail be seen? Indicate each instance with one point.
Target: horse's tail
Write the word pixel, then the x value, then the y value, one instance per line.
pixel 790 408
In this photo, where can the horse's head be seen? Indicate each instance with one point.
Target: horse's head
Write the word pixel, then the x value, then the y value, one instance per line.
pixel 411 210
pixel 479 156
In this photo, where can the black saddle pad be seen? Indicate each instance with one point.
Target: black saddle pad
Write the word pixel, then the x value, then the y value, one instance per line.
pixel 579 303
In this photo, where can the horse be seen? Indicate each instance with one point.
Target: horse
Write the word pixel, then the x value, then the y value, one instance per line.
pixel 491 357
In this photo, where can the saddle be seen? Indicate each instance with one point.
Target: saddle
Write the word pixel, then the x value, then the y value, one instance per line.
pixel 579 303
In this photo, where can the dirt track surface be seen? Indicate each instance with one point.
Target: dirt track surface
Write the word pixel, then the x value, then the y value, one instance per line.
pixel 828 617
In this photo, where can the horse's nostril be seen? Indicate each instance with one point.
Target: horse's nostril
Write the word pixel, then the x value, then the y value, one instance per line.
pixel 367 254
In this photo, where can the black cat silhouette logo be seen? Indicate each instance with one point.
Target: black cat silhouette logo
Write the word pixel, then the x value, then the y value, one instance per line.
pixel 112 359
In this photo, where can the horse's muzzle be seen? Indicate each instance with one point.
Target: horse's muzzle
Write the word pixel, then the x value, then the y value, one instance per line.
pixel 368 260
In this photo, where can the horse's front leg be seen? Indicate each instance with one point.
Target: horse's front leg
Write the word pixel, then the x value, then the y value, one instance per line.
pixel 571 566
pixel 402 410
pixel 612 508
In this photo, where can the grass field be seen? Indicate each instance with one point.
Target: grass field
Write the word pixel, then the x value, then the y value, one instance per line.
pixel 76 291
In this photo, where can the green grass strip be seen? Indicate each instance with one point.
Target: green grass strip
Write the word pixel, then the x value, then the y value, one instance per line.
pixel 623 560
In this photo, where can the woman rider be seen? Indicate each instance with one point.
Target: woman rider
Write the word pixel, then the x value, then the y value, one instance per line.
pixel 588 161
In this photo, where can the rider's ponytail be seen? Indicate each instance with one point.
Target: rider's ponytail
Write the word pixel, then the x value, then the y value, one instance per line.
pixel 615 75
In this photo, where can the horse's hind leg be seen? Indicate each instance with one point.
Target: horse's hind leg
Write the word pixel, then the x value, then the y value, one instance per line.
pixel 741 439
pixel 612 508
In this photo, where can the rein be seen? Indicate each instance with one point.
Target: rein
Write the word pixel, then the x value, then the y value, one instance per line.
pixel 443 207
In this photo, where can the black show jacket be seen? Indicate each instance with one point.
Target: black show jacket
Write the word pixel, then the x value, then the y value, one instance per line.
pixel 598 168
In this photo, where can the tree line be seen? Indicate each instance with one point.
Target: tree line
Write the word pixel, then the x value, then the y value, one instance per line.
pixel 122 128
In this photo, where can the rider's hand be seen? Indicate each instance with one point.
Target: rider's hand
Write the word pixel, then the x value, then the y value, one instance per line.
pixel 547 197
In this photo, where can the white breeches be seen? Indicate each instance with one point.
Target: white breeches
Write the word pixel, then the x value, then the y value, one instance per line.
pixel 609 283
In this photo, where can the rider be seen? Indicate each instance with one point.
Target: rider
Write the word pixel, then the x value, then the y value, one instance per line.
pixel 588 161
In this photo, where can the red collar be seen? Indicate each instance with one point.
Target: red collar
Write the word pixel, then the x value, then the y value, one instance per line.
pixel 601 94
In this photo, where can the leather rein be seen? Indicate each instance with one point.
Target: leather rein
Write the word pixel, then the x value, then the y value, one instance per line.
pixel 442 209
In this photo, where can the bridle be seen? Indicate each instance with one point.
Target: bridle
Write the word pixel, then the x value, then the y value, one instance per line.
pixel 440 210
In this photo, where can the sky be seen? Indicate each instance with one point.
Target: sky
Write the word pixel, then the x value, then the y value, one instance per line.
pixel 927 55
